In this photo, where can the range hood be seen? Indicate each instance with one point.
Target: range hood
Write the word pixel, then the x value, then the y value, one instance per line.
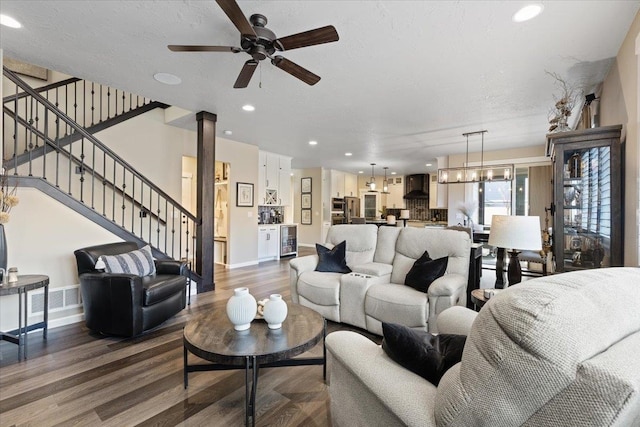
pixel 416 187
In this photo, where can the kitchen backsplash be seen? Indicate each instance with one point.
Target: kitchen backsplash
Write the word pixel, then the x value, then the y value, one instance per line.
pixel 419 211
pixel 270 214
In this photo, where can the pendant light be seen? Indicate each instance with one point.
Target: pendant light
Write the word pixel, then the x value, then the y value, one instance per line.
pixel 385 186
pixel 372 183
pixel 473 174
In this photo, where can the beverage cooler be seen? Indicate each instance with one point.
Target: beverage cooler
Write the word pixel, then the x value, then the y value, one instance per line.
pixel 288 240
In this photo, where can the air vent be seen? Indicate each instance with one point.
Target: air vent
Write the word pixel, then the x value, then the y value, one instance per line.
pixel 59 299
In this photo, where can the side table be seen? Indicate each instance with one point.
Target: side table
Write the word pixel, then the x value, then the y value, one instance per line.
pixel 25 284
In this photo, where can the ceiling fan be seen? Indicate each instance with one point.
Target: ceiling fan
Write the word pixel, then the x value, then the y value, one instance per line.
pixel 261 43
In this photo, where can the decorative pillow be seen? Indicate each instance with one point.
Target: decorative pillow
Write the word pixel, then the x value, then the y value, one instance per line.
pixel 333 260
pixel 138 262
pixel 424 354
pixel 424 271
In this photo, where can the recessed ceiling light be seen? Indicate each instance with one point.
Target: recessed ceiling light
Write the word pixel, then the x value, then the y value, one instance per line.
pixel 360 171
pixel 168 79
pixel 393 173
pixel 348 154
pixel 228 132
pixel 428 164
pixel 8 21
pixel 527 12
pixel 313 142
pixel 248 107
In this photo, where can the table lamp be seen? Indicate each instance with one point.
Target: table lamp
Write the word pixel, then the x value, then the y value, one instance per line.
pixel 515 233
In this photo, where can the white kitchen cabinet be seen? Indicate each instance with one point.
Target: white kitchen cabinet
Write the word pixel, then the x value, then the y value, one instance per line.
pixel 350 185
pixel 343 184
pixel 284 181
pixel 337 183
pixel 268 239
pixel 274 179
pixel 395 198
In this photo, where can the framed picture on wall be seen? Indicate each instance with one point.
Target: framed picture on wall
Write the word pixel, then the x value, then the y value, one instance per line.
pixel 305 185
pixel 306 201
pixel 244 194
pixel 306 217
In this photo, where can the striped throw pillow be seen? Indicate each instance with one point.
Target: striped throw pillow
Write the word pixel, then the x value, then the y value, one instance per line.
pixel 138 262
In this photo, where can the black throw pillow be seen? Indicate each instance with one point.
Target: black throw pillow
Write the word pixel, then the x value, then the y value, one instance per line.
pixel 424 354
pixel 424 271
pixel 333 260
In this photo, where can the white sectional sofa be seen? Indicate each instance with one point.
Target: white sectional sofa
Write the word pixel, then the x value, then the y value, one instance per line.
pixel 558 350
pixel 374 292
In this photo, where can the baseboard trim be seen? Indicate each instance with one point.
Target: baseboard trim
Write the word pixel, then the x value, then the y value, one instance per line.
pixel 64 321
pixel 241 264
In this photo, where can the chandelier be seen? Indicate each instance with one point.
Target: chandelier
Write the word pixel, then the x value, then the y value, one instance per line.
pixel 471 174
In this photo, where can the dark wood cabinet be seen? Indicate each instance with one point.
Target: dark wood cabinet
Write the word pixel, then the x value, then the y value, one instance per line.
pixel 588 198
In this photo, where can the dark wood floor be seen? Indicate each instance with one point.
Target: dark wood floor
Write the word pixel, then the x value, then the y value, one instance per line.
pixel 82 379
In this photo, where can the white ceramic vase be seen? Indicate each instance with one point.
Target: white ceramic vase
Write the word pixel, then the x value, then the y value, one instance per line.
pixel 275 311
pixel 241 309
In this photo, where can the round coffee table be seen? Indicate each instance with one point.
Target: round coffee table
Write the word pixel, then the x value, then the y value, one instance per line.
pixel 211 337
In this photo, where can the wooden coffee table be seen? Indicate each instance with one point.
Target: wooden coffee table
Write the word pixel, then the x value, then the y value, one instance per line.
pixel 211 337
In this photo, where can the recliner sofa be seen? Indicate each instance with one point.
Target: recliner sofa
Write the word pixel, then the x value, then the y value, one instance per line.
pixel 557 350
pixel 125 304
pixel 374 292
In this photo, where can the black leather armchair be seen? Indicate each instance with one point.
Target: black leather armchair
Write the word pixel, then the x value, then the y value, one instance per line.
pixel 126 304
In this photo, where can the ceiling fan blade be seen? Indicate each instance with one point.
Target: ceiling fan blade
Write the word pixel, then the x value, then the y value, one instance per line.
pixel 245 74
pixel 233 11
pixel 326 34
pixel 295 70
pixel 198 48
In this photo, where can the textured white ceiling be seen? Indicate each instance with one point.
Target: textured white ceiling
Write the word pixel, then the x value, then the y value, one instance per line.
pixel 402 84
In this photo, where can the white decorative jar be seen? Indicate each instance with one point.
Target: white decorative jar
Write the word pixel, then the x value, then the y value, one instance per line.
pixel 275 311
pixel 241 309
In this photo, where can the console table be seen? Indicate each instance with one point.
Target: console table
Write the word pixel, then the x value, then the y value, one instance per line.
pixel 25 284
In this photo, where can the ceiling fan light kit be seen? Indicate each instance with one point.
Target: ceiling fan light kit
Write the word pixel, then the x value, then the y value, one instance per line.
pixel 261 43
pixel 471 174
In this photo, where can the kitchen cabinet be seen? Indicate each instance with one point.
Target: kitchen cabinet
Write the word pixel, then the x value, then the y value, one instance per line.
pixel 438 193
pixel 395 198
pixel 350 185
pixel 268 242
pixel 337 183
pixel 274 179
pixel 343 184
pixel 588 199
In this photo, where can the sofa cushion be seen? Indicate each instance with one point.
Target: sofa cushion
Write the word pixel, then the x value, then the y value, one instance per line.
pixel 361 241
pixel 332 260
pixel 424 271
pixel 425 354
pixel 138 262
pixel 162 286
pixel 412 242
pixel 320 288
pixel 386 247
pixel 397 304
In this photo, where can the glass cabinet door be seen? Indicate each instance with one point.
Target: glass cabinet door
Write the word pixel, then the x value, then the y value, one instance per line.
pixel 587 230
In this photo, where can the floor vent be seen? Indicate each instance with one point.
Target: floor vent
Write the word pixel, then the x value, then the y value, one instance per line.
pixel 59 299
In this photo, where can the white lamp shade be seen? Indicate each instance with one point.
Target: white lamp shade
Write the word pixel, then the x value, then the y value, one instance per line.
pixel 404 214
pixel 516 232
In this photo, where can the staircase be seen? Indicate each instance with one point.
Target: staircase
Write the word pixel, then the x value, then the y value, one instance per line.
pixel 49 144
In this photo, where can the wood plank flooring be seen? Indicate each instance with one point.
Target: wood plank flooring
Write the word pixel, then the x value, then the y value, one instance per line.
pixel 82 379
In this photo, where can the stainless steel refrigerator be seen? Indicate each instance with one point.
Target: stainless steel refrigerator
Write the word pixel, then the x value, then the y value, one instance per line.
pixel 351 208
